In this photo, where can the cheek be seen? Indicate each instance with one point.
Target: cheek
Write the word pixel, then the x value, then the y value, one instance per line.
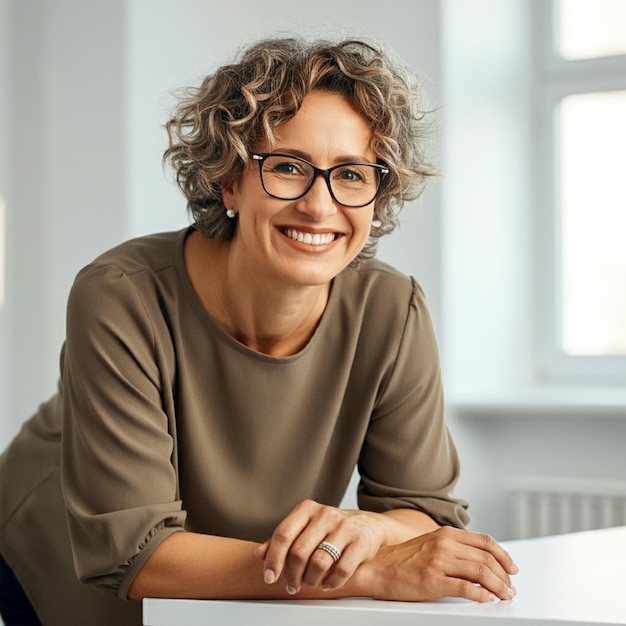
pixel 362 225
pixel 245 191
pixel 255 215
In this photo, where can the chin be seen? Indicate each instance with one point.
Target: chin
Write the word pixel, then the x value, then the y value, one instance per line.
pixel 313 277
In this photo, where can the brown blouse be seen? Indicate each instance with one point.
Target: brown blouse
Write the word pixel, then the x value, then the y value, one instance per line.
pixel 169 424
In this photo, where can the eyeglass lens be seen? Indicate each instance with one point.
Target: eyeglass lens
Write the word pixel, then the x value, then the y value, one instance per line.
pixel 351 184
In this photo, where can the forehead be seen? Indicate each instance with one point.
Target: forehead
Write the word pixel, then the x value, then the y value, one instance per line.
pixel 327 125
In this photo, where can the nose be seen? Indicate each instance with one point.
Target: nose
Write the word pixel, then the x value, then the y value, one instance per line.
pixel 317 202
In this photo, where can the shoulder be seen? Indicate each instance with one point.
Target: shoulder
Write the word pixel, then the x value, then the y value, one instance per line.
pixel 381 286
pixel 151 253
pixel 384 312
pixel 128 276
pixel 150 256
pixel 380 301
pixel 375 274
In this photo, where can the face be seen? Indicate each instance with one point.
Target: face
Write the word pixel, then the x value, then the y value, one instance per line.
pixel 307 241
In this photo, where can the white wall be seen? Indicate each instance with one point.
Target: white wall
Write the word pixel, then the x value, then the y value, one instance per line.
pixel 66 169
pixel 5 142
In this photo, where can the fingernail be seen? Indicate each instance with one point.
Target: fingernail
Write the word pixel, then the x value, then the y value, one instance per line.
pixel 515 569
pixel 511 592
pixel 326 588
pixel 269 576
pixel 291 590
pixel 492 597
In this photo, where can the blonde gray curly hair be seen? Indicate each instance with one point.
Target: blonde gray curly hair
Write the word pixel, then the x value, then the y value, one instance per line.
pixel 215 127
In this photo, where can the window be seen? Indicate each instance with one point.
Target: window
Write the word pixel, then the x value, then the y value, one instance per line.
pixel 589 29
pixel 581 82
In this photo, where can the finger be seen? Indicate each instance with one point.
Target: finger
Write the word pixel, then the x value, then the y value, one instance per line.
pixel 304 552
pixel 355 543
pixel 490 545
pixel 342 570
pixel 282 540
pixel 481 558
pixel 321 562
pixel 477 573
pixel 472 558
pixel 304 555
pixel 461 588
pixel 488 560
pixel 474 546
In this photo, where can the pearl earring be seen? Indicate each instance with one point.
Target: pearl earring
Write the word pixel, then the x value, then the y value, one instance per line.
pixel 230 213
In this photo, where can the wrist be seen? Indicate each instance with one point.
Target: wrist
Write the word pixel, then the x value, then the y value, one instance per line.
pixel 368 581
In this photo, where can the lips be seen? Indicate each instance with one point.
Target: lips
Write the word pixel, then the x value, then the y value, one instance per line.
pixel 313 239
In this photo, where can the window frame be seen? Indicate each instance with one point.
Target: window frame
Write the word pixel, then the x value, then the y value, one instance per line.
pixel 556 78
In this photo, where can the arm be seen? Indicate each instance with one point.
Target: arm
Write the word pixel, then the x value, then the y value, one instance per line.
pixel 192 565
pixel 408 523
pixel 117 464
pixel 446 562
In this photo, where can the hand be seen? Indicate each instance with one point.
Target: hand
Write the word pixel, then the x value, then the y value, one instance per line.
pixel 292 552
pixel 446 562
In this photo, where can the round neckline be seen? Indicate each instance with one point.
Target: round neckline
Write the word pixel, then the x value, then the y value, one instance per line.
pixel 194 300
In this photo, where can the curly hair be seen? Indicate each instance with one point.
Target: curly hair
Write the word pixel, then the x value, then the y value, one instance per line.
pixel 216 125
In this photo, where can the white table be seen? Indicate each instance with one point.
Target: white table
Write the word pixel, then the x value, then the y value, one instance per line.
pixel 568 580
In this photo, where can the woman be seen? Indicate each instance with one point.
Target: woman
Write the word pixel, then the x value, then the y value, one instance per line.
pixel 220 384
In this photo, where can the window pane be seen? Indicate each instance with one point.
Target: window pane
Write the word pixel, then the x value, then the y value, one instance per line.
pixel 593 223
pixel 592 28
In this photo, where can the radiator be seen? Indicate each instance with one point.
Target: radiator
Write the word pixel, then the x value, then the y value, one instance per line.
pixel 544 506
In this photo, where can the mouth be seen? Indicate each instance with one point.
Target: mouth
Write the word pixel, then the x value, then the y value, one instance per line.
pixel 311 239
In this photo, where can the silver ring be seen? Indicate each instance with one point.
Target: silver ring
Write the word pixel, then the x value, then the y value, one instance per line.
pixel 330 549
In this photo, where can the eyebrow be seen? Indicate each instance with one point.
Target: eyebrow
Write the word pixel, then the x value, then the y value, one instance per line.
pixel 344 158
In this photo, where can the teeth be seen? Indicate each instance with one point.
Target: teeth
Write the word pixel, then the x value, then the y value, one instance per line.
pixel 318 239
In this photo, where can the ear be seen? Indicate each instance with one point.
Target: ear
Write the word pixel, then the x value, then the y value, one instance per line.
pixel 228 185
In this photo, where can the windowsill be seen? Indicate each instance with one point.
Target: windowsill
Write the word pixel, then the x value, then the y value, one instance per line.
pixel 579 402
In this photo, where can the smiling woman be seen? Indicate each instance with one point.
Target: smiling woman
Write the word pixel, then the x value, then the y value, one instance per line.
pixel 213 128
pixel 220 383
pixel 325 129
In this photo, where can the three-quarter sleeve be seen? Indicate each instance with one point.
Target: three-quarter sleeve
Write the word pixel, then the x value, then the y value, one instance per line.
pixel 118 452
pixel 408 459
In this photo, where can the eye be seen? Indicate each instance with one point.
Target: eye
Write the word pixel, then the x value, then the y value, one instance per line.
pixel 286 168
pixel 351 174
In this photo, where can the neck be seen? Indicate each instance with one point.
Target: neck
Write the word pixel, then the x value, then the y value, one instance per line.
pixel 279 326
pixel 273 319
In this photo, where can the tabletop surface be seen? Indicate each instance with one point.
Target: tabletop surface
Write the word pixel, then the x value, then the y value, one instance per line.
pixel 567 580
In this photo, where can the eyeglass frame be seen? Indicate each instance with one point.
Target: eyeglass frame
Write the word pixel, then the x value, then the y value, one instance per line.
pixel 325 174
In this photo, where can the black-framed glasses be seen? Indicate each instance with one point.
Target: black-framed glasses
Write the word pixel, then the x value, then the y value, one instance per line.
pixel 288 177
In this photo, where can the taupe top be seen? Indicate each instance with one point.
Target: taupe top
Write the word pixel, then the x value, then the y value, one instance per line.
pixel 170 424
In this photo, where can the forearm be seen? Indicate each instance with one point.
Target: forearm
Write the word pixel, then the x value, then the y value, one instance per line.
pixel 192 565
pixel 404 524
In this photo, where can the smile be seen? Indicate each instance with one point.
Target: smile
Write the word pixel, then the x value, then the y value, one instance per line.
pixel 313 239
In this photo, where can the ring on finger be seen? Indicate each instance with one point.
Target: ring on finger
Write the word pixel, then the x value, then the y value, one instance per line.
pixel 331 549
